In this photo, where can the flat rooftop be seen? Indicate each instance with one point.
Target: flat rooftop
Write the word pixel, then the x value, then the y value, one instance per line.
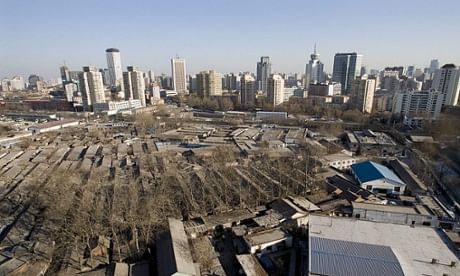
pixel 266 236
pixel 414 247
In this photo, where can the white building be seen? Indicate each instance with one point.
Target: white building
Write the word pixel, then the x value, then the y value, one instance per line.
pixel 17 83
pixel 377 178
pixel 91 87
pixel 314 71
pixel 115 69
pixel 420 104
pixel 179 75
pixel 275 92
pixel 71 90
pixel 112 107
pixel 134 85
pixel 447 81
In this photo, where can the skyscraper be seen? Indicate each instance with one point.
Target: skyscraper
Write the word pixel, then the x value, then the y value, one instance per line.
pixel 347 66
pixel 91 87
pixel 362 93
pixel 209 83
pixel 179 75
pixel 65 74
pixel 115 69
pixel 434 65
pixel 275 91
pixel 134 84
pixel 248 89
pixel 264 70
pixel 447 81
pixel 314 71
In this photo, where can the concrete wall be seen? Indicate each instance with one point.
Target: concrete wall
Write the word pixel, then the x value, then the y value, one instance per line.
pixel 399 218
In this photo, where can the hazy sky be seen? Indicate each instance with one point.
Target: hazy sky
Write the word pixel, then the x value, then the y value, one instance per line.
pixel 37 36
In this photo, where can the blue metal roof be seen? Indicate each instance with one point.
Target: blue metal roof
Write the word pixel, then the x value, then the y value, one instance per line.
pixel 335 257
pixel 369 171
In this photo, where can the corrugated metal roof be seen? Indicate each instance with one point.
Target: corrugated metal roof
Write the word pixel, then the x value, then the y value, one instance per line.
pixel 335 257
pixel 369 171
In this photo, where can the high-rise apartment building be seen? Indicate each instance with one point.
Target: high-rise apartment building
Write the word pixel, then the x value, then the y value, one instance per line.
pixel 347 66
pixel 209 83
pixel 275 93
pixel 425 104
pixel 134 84
pixel 362 93
pixel 115 69
pixel 179 75
pixel 248 89
pixel 91 87
pixel 447 81
pixel 314 71
pixel 264 70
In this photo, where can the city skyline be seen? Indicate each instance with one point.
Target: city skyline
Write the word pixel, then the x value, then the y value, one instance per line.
pixel 201 35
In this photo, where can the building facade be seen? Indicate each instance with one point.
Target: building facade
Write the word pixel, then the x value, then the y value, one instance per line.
pixel 264 70
pixel 115 69
pixel 248 89
pixel 447 81
pixel 91 87
pixel 275 93
pixel 347 66
pixel 209 83
pixel 179 75
pixel 134 84
pixel 314 71
pixel 362 93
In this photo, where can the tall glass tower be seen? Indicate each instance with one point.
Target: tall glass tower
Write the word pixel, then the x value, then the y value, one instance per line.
pixel 347 66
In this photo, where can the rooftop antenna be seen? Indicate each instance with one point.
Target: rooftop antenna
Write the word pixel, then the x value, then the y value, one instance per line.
pixel 315 49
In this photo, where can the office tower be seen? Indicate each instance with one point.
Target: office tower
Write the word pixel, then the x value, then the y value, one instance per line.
pixel 33 81
pixel 347 66
pixel 151 76
pixel 434 65
pixel 91 87
pixel 105 76
pixel 248 89
pixel 179 75
pixel 115 69
pixel 74 75
pixel 264 70
pixel 209 83
pixel 275 93
pixel 65 74
pixel 363 70
pixel 362 93
pixel 232 82
pixel 134 84
pixel 447 81
pixel 314 71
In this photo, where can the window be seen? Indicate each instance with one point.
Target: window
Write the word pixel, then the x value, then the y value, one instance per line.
pixel 397 189
pixel 369 187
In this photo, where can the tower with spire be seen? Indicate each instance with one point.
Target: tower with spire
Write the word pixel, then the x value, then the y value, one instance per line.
pixel 314 71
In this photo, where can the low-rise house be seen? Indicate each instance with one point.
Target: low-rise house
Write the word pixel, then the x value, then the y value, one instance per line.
pixel 410 215
pixel 377 178
pixel 270 240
